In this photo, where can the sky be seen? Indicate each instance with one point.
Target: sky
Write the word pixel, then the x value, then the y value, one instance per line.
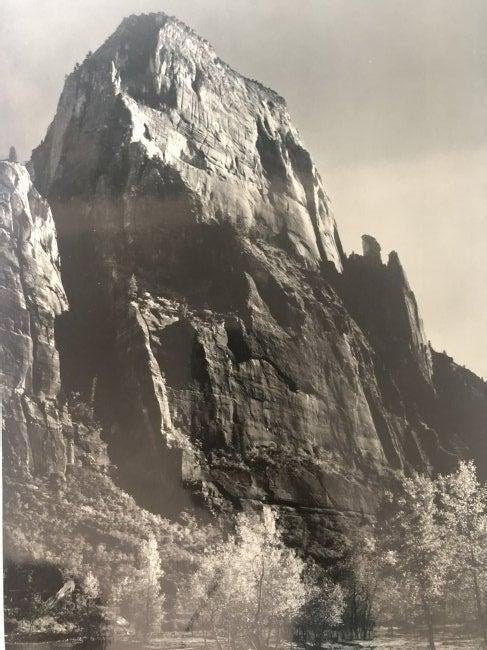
pixel 389 96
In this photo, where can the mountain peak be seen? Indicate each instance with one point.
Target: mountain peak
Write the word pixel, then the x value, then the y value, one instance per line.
pixel 216 333
pixel 157 92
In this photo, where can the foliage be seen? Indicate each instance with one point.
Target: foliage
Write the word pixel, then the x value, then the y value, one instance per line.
pixel 321 615
pixel 431 542
pixel 90 526
pixel 76 612
pixel 85 610
pixel 145 600
pixel 463 502
pixel 248 588
pixel 416 540
pixel 362 585
pixel 424 561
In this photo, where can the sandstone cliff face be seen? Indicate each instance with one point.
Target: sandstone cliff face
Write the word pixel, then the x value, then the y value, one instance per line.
pixel 226 341
pixel 32 296
pixel 382 302
pixel 42 436
pixel 462 416
pixel 226 139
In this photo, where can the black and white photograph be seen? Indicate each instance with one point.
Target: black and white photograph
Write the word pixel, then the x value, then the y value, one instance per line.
pixel 243 310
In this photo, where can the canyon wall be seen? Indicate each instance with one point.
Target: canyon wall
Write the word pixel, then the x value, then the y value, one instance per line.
pixel 32 296
pixel 230 349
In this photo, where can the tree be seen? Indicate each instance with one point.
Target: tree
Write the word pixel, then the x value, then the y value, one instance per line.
pixel 364 568
pixel 92 618
pixel 464 509
pixel 12 155
pixel 322 613
pixel 147 599
pixel 248 588
pixel 31 606
pixel 82 607
pixel 416 541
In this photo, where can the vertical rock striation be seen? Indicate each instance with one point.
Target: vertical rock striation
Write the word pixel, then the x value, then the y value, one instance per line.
pixel 225 340
pixel 32 296
pixel 185 117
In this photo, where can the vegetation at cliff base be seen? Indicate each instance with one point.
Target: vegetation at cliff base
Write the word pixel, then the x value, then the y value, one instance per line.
pixel 85 562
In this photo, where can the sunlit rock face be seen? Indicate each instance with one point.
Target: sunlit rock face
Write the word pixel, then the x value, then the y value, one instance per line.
pixel 229 346
pixel 226 139
pixel 31 295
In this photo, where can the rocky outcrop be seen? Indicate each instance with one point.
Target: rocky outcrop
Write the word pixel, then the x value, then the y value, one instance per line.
pixel 462 413
pixel 225 340
pixel 193 227
pixel 380 299
pixel 32 296
pixel 43 434
pixel 227 140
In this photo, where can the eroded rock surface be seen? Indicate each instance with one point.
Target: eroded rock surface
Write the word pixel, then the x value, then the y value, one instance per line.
pixel 42 434
pixel 32 296
pixel 226 139
pixel 226 341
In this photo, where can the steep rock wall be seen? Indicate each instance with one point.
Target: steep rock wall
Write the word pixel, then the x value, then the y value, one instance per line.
pixel 31 295
pixel 462 413
pixel 226 138
pixel 226 341
pixel 43 432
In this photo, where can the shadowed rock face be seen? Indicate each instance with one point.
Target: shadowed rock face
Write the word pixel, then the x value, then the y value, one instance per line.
pixel 462 416
pixel 227 342
pixel 39 436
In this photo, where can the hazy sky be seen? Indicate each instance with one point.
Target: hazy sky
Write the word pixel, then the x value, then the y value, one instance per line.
pixel 390 96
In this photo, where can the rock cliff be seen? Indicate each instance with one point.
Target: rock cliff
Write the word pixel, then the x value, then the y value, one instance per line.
pixel 228 345
pixel 42 435
pixel 32 296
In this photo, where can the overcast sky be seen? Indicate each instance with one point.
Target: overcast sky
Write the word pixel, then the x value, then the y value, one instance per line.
pixel 390 96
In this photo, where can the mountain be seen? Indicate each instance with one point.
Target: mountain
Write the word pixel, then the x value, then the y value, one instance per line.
pixel 231 350
pixel 39 436
pixel 32 297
